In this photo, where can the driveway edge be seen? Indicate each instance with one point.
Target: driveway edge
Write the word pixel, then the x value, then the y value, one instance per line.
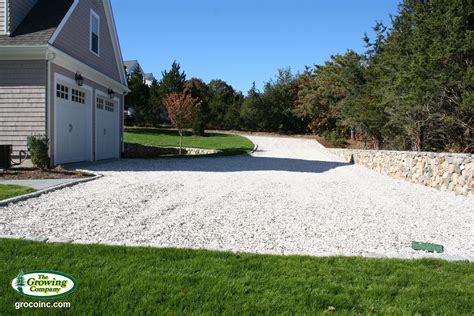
pixel 255 148
pixel 21 198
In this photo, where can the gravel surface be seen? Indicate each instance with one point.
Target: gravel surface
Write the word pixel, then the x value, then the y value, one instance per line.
pixel 290 197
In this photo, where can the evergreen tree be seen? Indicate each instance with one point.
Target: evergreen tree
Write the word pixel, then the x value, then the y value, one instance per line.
pixel 155 104
pixel 222 114
pixel 200 91
pixel 422 75
pixel 278 98
pixel 251 112
pixel 138 97
pixel 171 81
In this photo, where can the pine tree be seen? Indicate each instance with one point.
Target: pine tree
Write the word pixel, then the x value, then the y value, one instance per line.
pixel 138 97
pixel 173 80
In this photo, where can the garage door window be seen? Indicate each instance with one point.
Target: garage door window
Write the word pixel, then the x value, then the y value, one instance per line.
pixel 99 103
pixel 78 96
pixel 109 106
pixel 62 91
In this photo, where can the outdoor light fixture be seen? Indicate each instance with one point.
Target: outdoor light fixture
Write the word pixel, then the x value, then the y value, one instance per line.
pixel 111 93
pixel 79 79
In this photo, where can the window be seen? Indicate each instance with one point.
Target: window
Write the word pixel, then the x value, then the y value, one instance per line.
pixel 62 91
pixel 78 96
pixel 109 106
pixel 99 103
pixel 95 30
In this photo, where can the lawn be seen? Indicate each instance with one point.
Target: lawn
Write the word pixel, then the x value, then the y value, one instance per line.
pixel 227 143
pixel 9 191
pixel 125 281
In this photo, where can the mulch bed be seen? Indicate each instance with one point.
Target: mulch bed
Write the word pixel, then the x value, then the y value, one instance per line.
pixel 38 174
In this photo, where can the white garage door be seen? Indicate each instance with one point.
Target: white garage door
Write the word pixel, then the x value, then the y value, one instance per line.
pixel 73 124
pixel 107 128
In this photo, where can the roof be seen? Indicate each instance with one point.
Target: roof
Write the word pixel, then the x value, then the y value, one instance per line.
pixel 149 76
pixel 39 24
pixel 129 63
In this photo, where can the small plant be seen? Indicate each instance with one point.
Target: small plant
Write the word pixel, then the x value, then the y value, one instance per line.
pixel 334 138
pixel 38 147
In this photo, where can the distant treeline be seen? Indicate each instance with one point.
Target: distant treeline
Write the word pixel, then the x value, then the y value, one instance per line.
pixel 411 90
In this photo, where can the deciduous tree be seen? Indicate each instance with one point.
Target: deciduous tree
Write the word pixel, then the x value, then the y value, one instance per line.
pixel 181 109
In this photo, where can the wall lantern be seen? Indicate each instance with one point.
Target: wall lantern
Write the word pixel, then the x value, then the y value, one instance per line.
pixel 79 79
pixel 111 93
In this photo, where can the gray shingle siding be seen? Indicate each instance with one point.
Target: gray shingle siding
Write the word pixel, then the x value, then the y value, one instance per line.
pixel 18 10
pixel 74 39
pixel 2 16
pixel 22 101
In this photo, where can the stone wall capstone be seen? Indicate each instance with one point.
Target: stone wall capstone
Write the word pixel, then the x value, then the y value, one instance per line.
pixel 443 171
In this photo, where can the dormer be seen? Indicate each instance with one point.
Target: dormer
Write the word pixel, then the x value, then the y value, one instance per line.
pixel 12 12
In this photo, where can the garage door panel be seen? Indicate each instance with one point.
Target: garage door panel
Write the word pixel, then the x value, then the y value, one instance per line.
pixel 73 125
pixel 107 130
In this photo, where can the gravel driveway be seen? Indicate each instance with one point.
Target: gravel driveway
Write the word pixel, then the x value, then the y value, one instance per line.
pixel 289 197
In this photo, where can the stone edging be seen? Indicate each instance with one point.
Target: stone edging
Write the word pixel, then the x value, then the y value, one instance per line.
pixel 21 198
pixel 134 151
pixel 255 148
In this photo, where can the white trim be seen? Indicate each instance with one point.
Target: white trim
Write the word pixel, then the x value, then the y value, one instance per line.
pixel 72 83
pixel 25 52
pixel 7 18
pixel 93 14
pixel 70 63
pixel 63 22
pixel 115 40
pixel 48 106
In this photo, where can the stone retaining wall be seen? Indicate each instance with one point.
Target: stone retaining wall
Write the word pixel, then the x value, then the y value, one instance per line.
pixel 442 171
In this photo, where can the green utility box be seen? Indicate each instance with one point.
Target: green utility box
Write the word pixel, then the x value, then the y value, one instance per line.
pixel 416 245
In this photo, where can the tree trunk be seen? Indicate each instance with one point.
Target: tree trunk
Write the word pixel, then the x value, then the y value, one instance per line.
pixel 180 142
pixel 419 140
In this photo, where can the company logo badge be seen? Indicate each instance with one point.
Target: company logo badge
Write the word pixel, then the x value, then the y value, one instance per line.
pixel 44 284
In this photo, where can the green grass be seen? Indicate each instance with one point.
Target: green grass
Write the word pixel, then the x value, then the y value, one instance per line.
pixel 131 281
pixel 228 144
pixel 9 191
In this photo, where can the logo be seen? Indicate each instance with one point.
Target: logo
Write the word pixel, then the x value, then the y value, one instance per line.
pixel 44 284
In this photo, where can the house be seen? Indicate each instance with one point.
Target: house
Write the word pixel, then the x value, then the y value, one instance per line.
pixel 61 75
pixel 132 65
pixel 148 77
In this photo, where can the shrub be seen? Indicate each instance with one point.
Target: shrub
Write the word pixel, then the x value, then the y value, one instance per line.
pixel 334 138
pixel 39 146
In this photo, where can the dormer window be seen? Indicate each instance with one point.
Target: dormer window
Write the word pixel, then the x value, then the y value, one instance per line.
pixel 95 30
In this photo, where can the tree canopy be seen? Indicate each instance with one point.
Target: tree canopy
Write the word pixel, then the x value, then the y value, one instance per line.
pixel 412 89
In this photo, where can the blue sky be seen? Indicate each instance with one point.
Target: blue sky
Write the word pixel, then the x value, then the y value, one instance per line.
pixel 241 41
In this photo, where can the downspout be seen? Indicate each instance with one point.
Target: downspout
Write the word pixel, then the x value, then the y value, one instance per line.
pixel 50 56
pixel 122 114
